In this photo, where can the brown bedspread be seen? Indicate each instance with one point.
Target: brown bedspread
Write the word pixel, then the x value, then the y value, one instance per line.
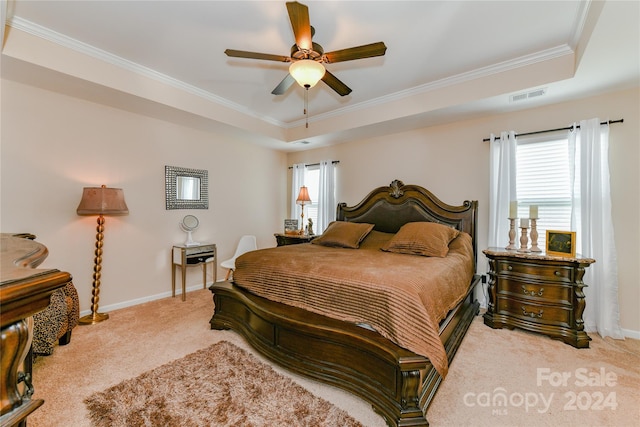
pixel 403 297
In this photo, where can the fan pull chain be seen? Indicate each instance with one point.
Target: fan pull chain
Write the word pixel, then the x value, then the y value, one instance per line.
pixel 306 107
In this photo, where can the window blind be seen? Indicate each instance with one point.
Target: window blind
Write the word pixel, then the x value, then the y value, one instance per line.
pixel 543 179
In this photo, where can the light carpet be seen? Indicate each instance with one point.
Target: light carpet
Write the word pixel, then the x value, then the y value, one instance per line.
pixel 490 363
pixel 221 385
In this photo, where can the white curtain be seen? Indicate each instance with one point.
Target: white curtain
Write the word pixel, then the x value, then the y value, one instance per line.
pixel 502 186
pixel 297 181
pixel 591 218
pixel 326 196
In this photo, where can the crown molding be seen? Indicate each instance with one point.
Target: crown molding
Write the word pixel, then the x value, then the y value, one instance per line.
pixel 523 61
pixel 102 55
pixel 84 48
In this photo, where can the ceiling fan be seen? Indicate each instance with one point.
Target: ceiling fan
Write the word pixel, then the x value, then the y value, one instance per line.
pixel 307 57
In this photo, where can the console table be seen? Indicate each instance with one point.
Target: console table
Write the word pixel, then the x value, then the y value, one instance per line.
pixel 539 293
pixel 183 256
pixel 24 291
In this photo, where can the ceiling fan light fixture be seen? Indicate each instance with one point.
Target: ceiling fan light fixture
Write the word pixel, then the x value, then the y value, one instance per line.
pixel 307 72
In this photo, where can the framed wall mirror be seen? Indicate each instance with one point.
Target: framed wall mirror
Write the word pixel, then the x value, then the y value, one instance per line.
pixel 186 188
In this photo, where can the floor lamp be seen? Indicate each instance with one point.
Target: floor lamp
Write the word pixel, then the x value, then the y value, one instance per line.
pixel 100 201
pixel 303 198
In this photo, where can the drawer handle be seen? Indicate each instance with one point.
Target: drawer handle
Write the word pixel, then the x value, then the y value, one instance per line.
pixel 509 268
pixel 532 293
pixel 531 313
pixel 557 273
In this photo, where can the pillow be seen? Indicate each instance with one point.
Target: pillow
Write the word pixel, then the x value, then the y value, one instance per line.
pixel 344 234
pixel 375 240
pixel 422 238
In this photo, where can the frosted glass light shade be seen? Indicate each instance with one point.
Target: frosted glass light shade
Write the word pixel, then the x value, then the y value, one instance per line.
pixel 307 72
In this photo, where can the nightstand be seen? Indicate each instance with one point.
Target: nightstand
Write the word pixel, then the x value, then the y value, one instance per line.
pixel 292 239
pixel 538 293
pixel 183 256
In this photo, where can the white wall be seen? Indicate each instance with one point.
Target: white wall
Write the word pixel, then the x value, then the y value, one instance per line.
pixel 452 161
pixel 54 145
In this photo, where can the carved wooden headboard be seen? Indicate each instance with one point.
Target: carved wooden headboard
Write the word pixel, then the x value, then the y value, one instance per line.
pixel 389 208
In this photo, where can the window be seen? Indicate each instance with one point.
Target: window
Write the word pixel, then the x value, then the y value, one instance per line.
pixel 543 178
pixel 312 181
pixel 319 178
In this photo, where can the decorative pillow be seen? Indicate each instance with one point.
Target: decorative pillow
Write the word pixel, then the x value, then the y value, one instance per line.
pixel 375 240
pixel 422 238
pixel 344 234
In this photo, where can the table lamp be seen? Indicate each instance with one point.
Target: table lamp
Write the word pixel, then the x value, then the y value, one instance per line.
pixel 303 197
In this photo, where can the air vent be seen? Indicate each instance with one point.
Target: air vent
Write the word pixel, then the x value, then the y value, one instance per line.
pixel 519 97
pixel 528 95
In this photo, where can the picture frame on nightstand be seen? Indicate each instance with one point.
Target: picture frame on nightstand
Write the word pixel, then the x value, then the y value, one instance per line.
pixel 561 243
pixel 291 226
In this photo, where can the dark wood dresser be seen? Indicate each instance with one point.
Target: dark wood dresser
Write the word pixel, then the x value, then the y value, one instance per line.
pixel 24 291
pixel 539 293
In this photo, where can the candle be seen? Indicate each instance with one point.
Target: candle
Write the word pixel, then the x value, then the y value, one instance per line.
pixel 533 212
pixel 513 209
pixel 524 223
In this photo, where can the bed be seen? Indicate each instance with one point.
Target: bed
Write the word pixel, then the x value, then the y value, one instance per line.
pixel 381 353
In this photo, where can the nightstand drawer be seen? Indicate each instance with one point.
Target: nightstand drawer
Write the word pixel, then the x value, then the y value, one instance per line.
pixel 537 313
pixel 553 273
pixel 541 292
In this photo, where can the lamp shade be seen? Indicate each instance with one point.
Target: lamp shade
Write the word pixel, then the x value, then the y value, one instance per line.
pixel 102 201
pixel 307 72
pixel 303 196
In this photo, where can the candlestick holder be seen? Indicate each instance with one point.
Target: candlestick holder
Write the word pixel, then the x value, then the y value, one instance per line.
pixel 534 236
pixel 524 240
pixel 512 235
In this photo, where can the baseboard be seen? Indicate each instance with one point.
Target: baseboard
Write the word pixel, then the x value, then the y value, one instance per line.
pixel 627 333
pixel 481 296
pixel 131 303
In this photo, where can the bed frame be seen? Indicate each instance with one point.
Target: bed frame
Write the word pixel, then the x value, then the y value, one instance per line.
pixel 398 383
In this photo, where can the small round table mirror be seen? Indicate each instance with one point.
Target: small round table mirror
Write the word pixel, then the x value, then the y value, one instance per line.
pixel 188 225
pixel 190 222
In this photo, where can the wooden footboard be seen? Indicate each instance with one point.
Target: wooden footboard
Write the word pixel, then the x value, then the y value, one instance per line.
pixel 399 384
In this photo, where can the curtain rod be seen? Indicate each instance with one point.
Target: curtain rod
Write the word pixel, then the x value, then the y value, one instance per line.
pixel 317 164
pixel 558 129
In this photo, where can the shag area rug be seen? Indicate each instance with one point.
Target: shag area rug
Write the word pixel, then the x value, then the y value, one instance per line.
pixel 222 385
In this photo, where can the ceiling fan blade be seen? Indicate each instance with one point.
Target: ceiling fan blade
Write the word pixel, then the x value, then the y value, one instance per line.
pixel 256 55
pixel 359 52
pixel 334 83
pixel 299 17
pixel 284 85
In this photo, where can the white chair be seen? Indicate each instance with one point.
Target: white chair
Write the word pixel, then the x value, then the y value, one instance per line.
pixel 246 244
